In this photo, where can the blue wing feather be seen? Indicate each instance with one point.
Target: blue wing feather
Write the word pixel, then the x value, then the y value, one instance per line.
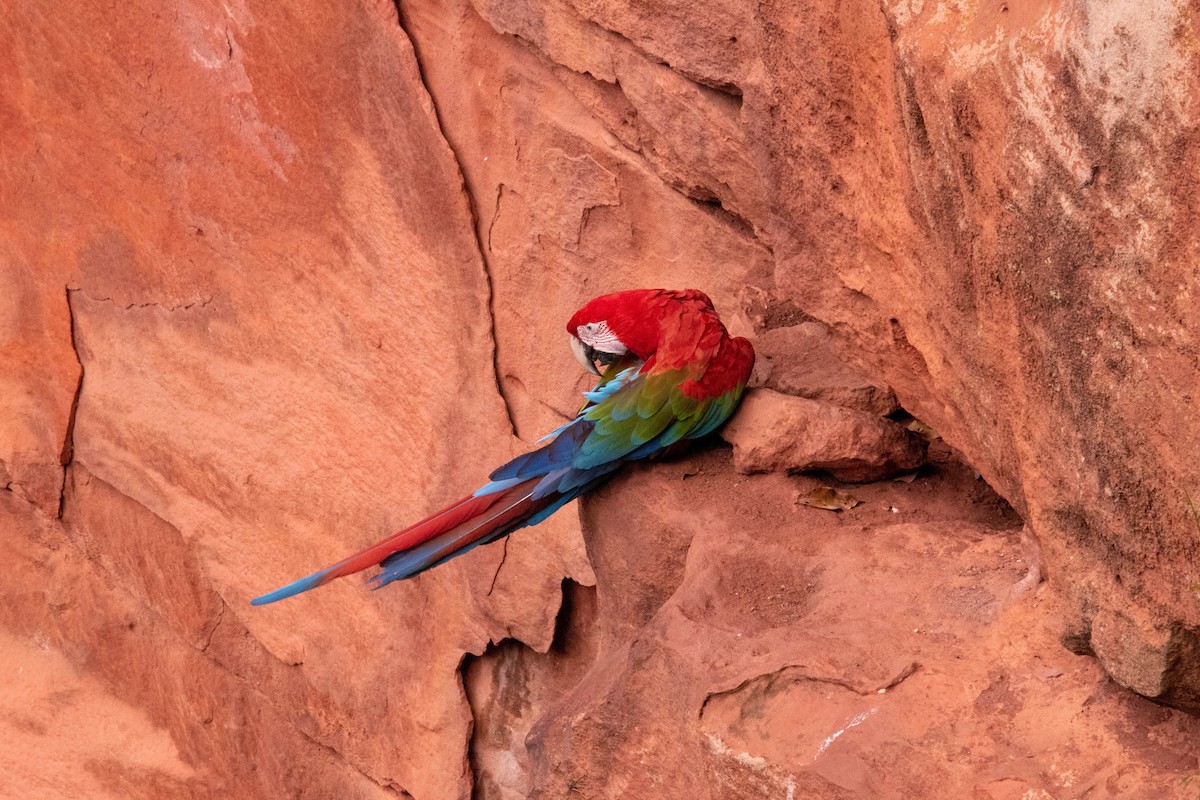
pixel 628 417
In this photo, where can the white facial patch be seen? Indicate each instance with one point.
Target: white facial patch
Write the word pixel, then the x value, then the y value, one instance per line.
pixel 597 336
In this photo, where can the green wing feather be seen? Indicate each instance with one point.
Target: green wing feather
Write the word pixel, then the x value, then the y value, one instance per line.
pixel 649 413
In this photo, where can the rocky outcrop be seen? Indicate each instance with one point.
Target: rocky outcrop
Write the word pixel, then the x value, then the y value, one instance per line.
pixel 278 279
pixel 774 432
pixel 982 204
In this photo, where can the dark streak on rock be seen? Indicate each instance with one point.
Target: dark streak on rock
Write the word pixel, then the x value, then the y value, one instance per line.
pixel 800 673
pixel 495 215
pixel 914 116
pixel 67 454
pixel 503 558
pixel 211 631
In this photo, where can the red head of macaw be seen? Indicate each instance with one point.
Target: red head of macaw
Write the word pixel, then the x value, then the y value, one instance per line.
pixel 671 373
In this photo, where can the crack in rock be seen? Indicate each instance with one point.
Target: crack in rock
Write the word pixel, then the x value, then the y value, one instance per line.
pixel 471 207
pixel 387 785
pixel 197 303
pixel 67 455
pixel 495 215
pixel 67 452
pixel 212 631
pixel 503 558
pixel 802 674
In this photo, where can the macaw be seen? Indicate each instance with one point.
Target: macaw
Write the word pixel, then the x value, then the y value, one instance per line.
pixel 671 373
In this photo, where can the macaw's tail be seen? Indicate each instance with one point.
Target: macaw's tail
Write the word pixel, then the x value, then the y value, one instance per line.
pixel 472 521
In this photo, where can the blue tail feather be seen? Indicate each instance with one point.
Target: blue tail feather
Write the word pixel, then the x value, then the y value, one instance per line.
pixel 293 588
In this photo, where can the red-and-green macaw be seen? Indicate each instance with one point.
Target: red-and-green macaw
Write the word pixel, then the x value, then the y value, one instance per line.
pixel 671 373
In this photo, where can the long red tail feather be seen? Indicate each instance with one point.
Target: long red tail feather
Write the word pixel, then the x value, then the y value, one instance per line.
pixel 449 525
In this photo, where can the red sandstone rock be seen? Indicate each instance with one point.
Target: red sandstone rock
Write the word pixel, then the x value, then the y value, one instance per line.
pixel 985 208
pixel 281 313
pixel 65 735
pixel 759 649
pixel 1001 232
pixel 800 360
pixel 314 262
pixel 776 432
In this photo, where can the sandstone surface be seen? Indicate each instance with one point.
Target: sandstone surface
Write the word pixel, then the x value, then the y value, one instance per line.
pixel 280 278
pixel 775 432
pixel 801 360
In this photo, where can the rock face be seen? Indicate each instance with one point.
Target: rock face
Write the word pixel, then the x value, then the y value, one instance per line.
pixel 774 432
pixel 801 360
pixel 278 279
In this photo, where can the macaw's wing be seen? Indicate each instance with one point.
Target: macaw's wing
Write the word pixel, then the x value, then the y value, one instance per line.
pixel 553 467
pixel 651 413
pixel 631 416
pixel 663 405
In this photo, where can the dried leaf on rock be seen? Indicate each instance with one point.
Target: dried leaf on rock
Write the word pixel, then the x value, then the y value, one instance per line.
pixel 924 431
pixel 907 477
pixel 830 499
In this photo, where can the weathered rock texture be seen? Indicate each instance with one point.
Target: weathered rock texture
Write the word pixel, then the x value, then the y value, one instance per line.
pixel 774 432
pixel 280 277
pixel 801 360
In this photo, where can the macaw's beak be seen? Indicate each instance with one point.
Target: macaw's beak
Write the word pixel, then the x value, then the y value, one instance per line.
pixel 585 355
